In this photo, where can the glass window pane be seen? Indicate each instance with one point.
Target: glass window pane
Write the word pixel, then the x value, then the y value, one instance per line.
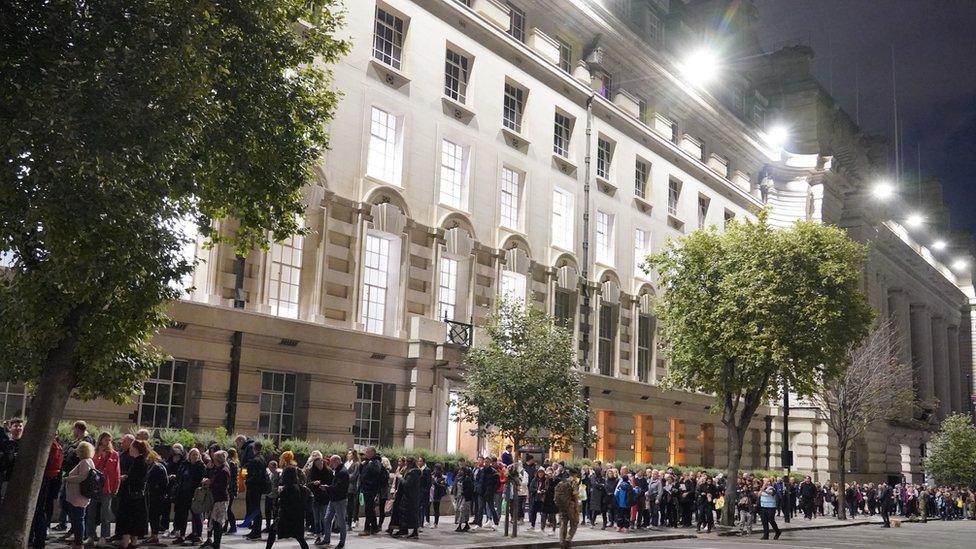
pixel 165 371
pixel 179 373
pixel 179 394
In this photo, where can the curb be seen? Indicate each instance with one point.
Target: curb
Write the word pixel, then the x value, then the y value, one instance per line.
pixel 809 527
pixel 590 542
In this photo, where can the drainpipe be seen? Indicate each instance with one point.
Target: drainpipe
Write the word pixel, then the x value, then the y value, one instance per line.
pixel 584 272
pixel 236 347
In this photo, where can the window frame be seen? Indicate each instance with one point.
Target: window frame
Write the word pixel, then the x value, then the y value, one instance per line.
pixel 395 31
pixel 285 308
pixel 605 248
pixel 674 196
pixel 171 383
pixel 457 73
pixel 604 157
pixel 641 236
pixel 516 22
pixel 460 172
pixel 387 142
pixel 645 348
pixel 607 338
pixel 703 205
pixel 520 290
pixel 447 294
pixel 510 210
pixel 388 291
pixel 375 405
pixel 8 391
pixel 565 55
pixel 281 412
pixel 641 177
pixel 562 134
pixel 513 103
pixel 562 231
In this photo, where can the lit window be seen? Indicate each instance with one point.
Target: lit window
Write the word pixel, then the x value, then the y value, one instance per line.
pixel 513 287
pixel 388 38
pixel 13 400
pixel 447 289
pixel 511 193
pixel 513 107
pixel 164 396
pixel 674 193
pixel 608 338
pixel 383 157
pixel 565 55
pixel 277 417
pixel 645 339
pixel 516 25
pixel 285 275
pixel 562 219
pixel 604 157
pixel 702 211
pixel 456 76
pixel 642 245
pixel 376 275
pixel 562 135
pixel 604 238
pixel 642 172
pixel 453 174
pixel 368 405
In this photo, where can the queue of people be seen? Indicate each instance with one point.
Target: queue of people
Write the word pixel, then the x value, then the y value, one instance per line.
pixel 92 483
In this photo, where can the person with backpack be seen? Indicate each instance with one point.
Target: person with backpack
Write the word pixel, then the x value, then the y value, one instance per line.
pixel 132 518
pixel 106 460
pixel 80 433
pixel 290 506
pixel 80 485
pixel 625 497
pixel 745 508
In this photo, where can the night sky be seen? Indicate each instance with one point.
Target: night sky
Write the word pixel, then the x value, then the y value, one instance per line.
pixel 935 63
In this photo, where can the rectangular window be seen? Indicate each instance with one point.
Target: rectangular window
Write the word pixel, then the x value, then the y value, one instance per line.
pixel 642 109
pixel 608 338
pixel 565 56
pixel 563 133
pixel 369 402
pixel 606 85
pixel 563 309
pixel 642 172
pixel 604 238
pixel 13 400
pixel 702 211
pixel 514 105
pixel 453 174
pixel 728 218
pixel 447 289
pixel 388 38
pixel 604 157
pixel 516 25
pixel 285 275
pixel 562 219
pixel 511 194
pixel 376 275
pixel 674 193
pixel 164 396
pixel 642 245
pixel 513 286
pixel 383 156
pixel 277 417
pixel 456 76
pixel 645 337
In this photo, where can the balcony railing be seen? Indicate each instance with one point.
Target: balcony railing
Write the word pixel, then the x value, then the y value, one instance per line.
pixel 459 333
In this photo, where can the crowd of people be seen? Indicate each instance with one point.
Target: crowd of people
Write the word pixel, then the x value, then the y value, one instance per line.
pixel 186 498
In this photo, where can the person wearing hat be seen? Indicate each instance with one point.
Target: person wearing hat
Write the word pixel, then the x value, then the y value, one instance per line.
pixel 767 510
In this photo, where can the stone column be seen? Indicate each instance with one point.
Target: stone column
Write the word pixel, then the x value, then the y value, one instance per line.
pixel 899 311
pixel 921 347
pixel 942 374
pixel 967 362
pixel 957 379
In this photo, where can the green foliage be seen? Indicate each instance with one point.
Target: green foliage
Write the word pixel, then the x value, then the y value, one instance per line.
pixel 169 437
pixel 524 383
pixel 124 120
pixel 952 452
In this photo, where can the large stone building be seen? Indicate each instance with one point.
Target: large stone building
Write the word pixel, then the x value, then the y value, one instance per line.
pixel 475 144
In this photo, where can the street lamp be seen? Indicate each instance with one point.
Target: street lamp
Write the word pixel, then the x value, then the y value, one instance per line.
pixel 959 264
pixel 700 67
pixel 915 220
pixel 939 245
pixel 776 136
pixel 883 190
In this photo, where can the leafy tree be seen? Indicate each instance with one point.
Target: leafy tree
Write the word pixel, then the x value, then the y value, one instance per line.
pixel 745 309
pixel 952 452
pixel 875 386
pixel 122 120
pixel 524 383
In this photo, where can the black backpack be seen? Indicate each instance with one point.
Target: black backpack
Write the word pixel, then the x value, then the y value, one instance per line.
pixel 93 485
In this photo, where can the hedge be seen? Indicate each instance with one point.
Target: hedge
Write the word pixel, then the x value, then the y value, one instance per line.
pixel 163 439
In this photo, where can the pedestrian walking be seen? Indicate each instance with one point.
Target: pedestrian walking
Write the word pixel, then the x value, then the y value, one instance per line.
pixel 767 511
pixel 338 494
pixel 567 503
pixel 289 515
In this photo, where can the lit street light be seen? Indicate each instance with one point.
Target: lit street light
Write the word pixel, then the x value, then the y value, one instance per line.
pixel 777 136
pixel 701 67
pixel 939 245
pixel 959 264
pixel 915 220
pixel 883 190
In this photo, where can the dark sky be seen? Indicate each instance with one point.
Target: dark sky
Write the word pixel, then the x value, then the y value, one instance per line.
pixel 935 64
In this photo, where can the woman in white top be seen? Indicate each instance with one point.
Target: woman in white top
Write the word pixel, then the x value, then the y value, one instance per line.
pixel 77 502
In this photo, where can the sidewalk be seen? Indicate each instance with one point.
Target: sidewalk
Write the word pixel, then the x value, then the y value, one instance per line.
pixel 800 523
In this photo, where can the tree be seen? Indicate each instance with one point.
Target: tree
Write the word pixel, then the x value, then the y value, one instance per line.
pixel 524 384
pixel 122 120
pixel 875 386
pixel 952 452
pixel 744 310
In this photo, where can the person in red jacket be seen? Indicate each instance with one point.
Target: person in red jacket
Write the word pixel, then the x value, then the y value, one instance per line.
pixel 107 462
pixel 50 486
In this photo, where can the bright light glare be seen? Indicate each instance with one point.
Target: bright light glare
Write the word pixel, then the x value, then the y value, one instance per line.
pixel 701 67
pixel 914 220
pixel 939 245
pixel 883 190
pixel 959 264
pixel 776 136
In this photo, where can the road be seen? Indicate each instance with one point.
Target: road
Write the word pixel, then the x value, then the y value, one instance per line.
pixel 933 535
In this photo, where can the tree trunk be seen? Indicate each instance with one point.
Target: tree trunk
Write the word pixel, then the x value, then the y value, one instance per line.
pixel 734 448
pixel 46 409
pixel 842 487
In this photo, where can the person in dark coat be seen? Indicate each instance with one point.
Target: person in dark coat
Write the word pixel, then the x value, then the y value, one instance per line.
pixel 407 502
pixel 807 494
pixel 290 510
pixel 255 486
pixel 425 484
pixel 132 516
pixel 157 505
pixel 188 477
pixel 373 480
